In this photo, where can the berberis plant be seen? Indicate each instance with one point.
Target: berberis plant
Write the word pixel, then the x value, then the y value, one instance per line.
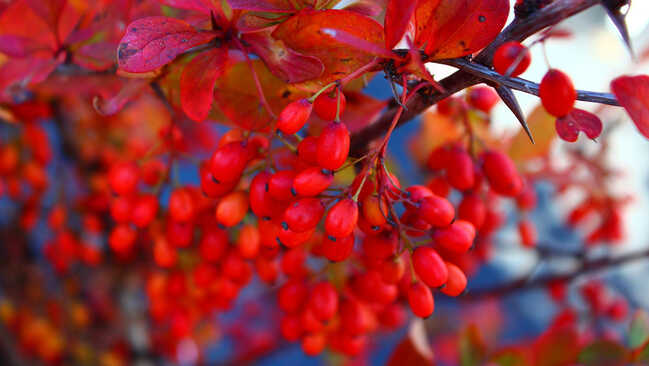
pixel 165 161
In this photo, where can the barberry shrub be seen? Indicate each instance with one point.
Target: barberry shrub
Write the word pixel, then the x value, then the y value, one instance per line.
pixel 163 162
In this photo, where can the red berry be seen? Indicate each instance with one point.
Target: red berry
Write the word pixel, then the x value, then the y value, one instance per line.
pixel 501 173
pixel 507 54
pixel 232 209
pixel 456 281
pixel 181 205
pixel 304 214
pixel 326 104
pixel 323 301
pixel 307 150
pixel 459 169
pixel 342 218
pixel 280 185
pixel 437 211
pixel 144 210
pixel 229 161
pixel 120 209
pixel 291 296
pixel 333 146
pixel 312 181
pixel 557 93
pixel 338 249
pixel 482 98
pixel 294 116
pixel 313 344
pixel 457 238
pixel 122 238
pixel 213 244
pixel 421 300
pixel 291 328
pixel 249 241
pixel 472 209
pixel 429 266
pixel 123 178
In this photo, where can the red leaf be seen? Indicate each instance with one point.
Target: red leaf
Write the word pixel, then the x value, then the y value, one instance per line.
pixel 114 104
pixel 17 73
pixel 96 56
pixel 197 82
pixel 359 43
pixel 568 126
pixel 361 110
pixel 275 6
pixel 456 28
pixel 633 94
pixel 155 41
pixel 397 18
pixel 18 46
pixel 303 33
pixel 19 20
pixel 236 94
pixel 288 65
pixel 370 8
pixel 198 5
pixel 48 10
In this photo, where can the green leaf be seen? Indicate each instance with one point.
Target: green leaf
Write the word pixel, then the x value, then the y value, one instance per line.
pixel 472 347
pixel 603 353
pixel 642 353
pixel 639 329
pixel 511 357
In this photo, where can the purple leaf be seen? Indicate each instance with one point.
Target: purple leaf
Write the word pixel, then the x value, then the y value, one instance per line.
pixel 568 126
pixel 18 46
pixel 288 65
pixel 155 41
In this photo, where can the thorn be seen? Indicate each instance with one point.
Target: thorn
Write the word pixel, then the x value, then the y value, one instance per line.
pixel 509 98
pixel 614 11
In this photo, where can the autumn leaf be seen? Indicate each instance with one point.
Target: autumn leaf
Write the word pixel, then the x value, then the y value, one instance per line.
pixel 274 6
pixel 639 329
pixel 304 33
pixel 236 95
pixel 569 126
pixel 633 94
pixel 603 353
pixel 18 46
pixel 456 28
pixel 473 350
pixel 414 349
pixel 155 41
pixel 557 347
pixel 397 17
pixel 541 123
pixel 283 62
pixel 197 82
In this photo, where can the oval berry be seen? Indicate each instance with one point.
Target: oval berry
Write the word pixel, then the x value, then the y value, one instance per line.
pixel 323 301
pixel 312 181
pixel 436 210
pixel 557 93
pixel 294 116
pixel 429 266
pixel 232 208
pixel 501 173
pixel 326 105
pixel 342 218
pixel 507 54
pixel 304 214
pixel 333 146
pixel 457 238
pixel 421 300
pixel 456 281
